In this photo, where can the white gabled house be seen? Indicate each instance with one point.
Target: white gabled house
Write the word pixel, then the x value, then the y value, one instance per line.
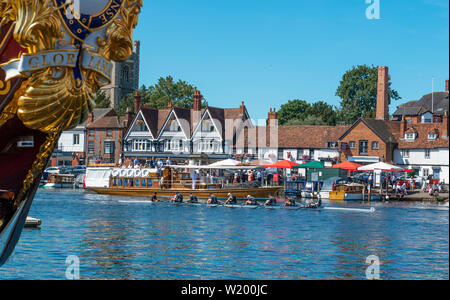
pixel 183 134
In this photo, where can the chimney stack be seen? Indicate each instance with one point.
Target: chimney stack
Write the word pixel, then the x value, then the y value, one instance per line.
pixel 446 85
pixel 273 115
pixel 242 108
pixel 169 105
pixel 403 127
pixel 91 118
pixel 137 103
pixel 130 117
pixel 445 125
pixel 383 94
pixel 198 101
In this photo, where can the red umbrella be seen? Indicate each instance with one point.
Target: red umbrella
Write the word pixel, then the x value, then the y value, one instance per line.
pixel 348 165
pixel 285 164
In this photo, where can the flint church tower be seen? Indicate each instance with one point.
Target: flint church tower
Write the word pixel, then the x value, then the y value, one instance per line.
pixel 125 78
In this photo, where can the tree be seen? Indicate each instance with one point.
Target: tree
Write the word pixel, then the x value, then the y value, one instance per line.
pixel 322 111
pixel 293 110
pixel 358 93
pixel 308 120
pixel 180 93
pixel 101 100
pixel 299 112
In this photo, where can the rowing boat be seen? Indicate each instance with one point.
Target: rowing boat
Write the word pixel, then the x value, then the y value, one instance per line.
pixel 268 207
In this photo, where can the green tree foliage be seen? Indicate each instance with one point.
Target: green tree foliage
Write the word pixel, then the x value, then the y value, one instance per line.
pixel 299 112
pixel 308 120
pixel 322 111
pixel 180 93
pixel 101 100
pixel 358 93
pixel 293 110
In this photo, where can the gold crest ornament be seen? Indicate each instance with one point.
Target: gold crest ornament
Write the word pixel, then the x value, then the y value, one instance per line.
pixel 70 44
pixel 55 55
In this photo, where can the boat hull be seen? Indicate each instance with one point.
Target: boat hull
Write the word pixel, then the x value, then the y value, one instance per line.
pixel 259 193
pixel 58 186
pixel 352 197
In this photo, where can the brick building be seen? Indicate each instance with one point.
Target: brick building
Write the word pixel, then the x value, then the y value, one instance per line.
pixel 416 138
pixel 71 147
pixel 104 137
pixel 369 141
pixel 299 143
pixel 423 143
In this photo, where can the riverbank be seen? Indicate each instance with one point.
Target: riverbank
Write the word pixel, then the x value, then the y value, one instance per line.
pixel 420 196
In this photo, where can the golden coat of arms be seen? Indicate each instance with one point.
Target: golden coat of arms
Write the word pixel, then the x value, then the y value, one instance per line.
pixel 54 55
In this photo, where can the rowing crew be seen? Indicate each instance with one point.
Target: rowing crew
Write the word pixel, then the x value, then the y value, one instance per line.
pixel 232 200
pixel 178 198
pixel 290 202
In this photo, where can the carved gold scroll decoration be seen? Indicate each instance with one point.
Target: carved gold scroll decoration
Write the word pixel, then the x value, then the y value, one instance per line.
pixel 53 101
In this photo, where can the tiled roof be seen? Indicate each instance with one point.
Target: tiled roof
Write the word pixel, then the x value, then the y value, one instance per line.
pixel 437 102
pixel 106 118
pixel 309 136
pixel 296 137
pixel 388 131
pixel 113 122
pixel 99 113
pixel 422 141
pixel 156 118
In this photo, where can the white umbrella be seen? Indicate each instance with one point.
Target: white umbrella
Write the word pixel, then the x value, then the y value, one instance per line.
pixel 224 163
pixel 379 166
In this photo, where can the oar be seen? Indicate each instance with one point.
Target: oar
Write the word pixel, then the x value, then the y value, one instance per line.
pixel 371 210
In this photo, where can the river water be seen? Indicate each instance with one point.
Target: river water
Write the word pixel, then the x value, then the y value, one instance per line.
pixel 114 239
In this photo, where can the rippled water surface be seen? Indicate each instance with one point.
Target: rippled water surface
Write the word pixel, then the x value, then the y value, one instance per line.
pixel 117 240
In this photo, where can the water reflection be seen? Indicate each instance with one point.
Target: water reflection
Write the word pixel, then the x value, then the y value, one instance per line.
pixel 117 240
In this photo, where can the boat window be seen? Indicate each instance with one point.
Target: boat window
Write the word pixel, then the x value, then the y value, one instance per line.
pixel 149 183
pixel 143 181
pixel 137 182
pixel 125 182
pixel 114 182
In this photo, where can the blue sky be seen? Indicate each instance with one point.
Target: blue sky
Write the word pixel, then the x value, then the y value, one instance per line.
pixel 267 52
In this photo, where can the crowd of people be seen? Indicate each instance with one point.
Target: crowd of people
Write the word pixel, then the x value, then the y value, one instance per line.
pixel 401 186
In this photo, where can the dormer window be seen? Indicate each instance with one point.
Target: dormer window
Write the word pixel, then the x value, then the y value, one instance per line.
pixel 332 145
pixel 432 136
pixel 174 126
pixel 410 136
pixel 427 118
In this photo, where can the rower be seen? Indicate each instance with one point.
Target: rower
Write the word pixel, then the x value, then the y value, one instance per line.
pixel 315 204
pixel 193 199
pixel 251 200
pixel 231 199
pixel 178 198
pixel 272 201
pixel 155 197
pixel 290 202
pixel 212 199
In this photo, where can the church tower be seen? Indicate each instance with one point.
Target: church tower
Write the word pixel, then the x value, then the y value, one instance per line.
pixel 125 77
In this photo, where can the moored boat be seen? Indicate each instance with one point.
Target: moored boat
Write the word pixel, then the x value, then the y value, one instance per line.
pixel 60 181
pixel 311 189
pixel 351 192
pixel 147 182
